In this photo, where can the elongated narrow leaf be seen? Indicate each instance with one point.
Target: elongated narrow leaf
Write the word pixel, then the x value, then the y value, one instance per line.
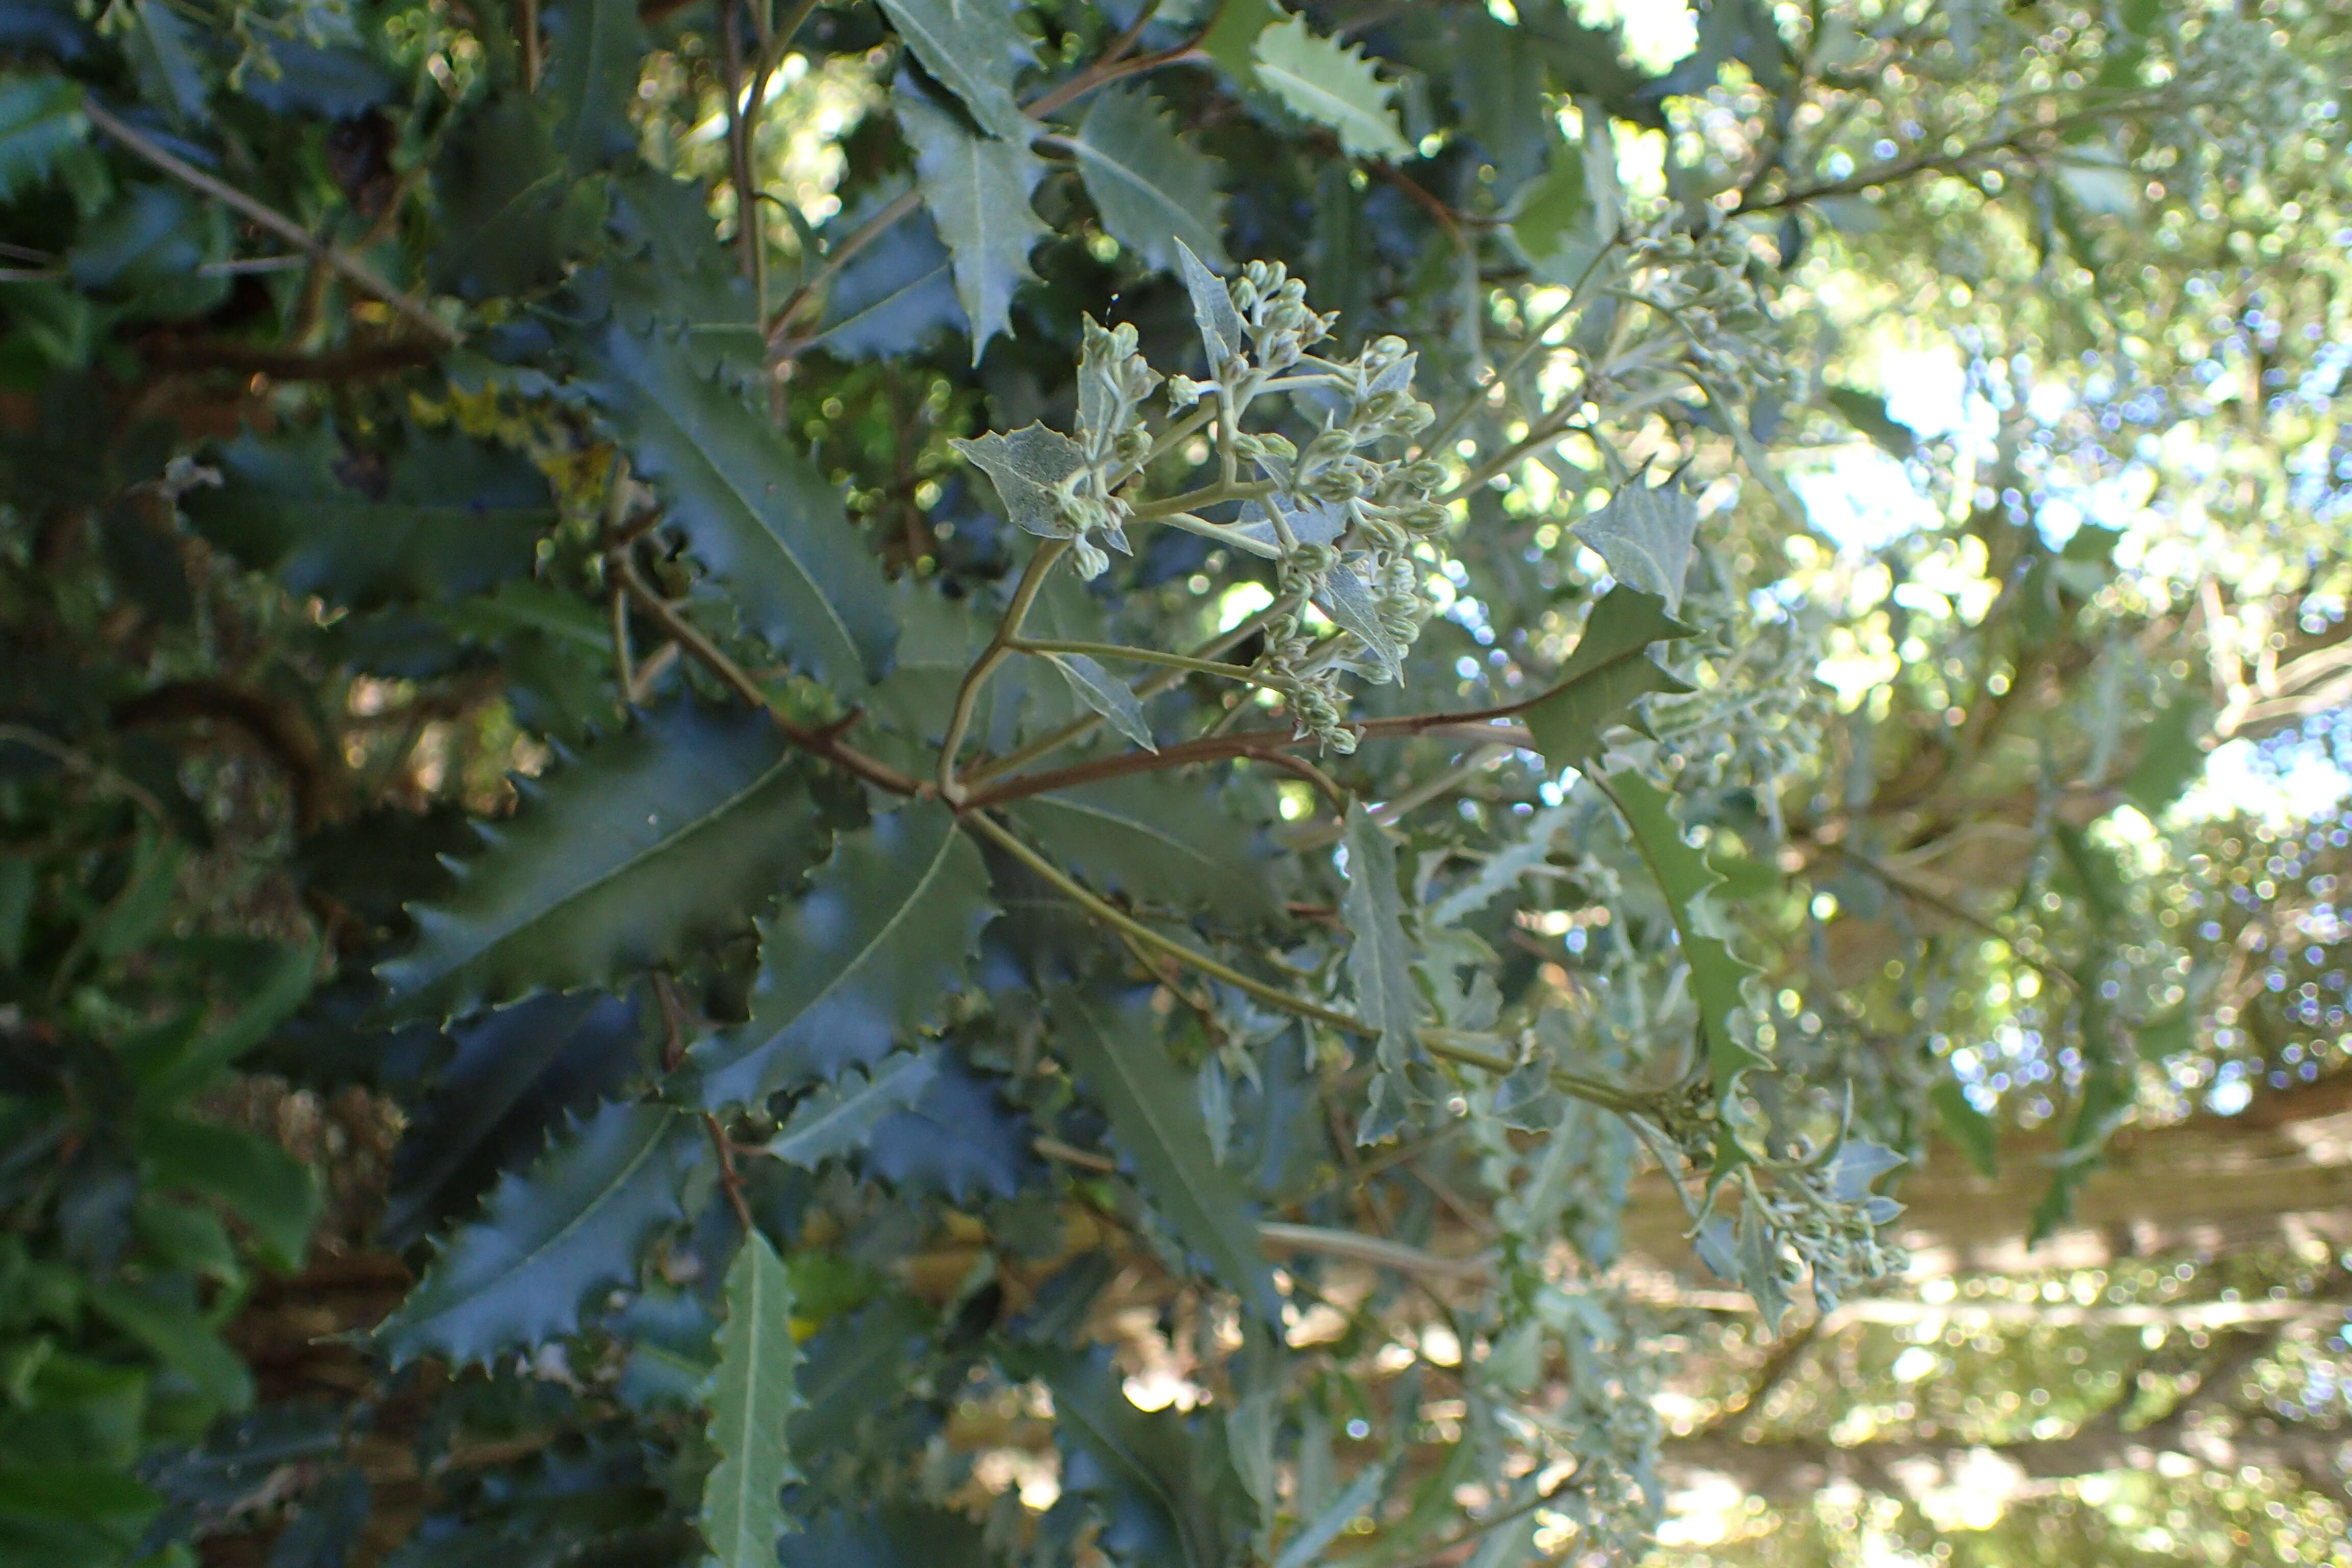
pixel 1684 876
pixel 973 49
pixel 571 1224
pixel 1157 839
pixel 176 1335
pixel 978 189
pixel 1156 1117
pixel 260 1182
pixel 1151 187
pixel 1348 600
pixel 838 1118
pixel 1107 695
pixel 1610 669
pixel 1321 80
pixel 764 522
pixel 1221 334
pixel 673 833
pixel 859 963
pixel 592 79
pixel 752 1395
pixel 1646 535
pixel 893 295
pixel 1324 1528
pixel 1170 1500
pixel 40 117
pixel 1380 964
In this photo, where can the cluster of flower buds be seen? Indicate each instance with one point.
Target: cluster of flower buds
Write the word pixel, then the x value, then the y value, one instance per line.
pixel 1703 277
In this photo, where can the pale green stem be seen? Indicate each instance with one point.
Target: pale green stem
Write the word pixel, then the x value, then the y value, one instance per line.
pixel 1140 655
pixel 1207 495
pixel 1033 580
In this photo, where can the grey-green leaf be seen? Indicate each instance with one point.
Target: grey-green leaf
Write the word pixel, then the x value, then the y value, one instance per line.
pixel 836 1120
pixel 1155 838
pixel 571 1224
pixel 1608 671
pixel 859 964
pixel 972 48
pixel 1321 80
pixel 592 78
pixel 1346 598
pixel 1026 465
pixel 1107 695
pixel 753 1394
pixel 40 117
pixel 1222 336
pixel 1646 535
pixel 672 833
pixel 1380 962
pixel 1115 1052
pixel 1151 187
pixel 756 515
pixel 1324 1528
pixel 978 188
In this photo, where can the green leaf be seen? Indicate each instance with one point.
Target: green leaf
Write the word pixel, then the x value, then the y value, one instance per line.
pixel 1115 1052
pixel 1757 1253
pixel 1967 1127
pixel 1025 466
pixel 973 49
pixel 756 513
pixel 1646 535
pixel 453 517
pixel 571 1224
pixel 1157 839
pixel 1222 335
pixel 1174 1500
pixel 669 834
pixel 1498 79
pixel 836 1120
pixel 1866 412
pixel 41 118
pixel 1331 84
pixel 1151 187
pixel 599 49
pixel 1379 959
pixel 1684 876
pixel 19 881
pixel 1231 39
pixel 1554 212
pixel 978 189
pixel 1607 672
pixel 70 1515
pixel 1320 1532
pixel 169 1066
pixel 2170 756
pixel 1348 600
pixel 858 965
pixel 260 1182
pixel 753 1396
pixel 513 213
pixel 178 1338
pixel 166 55
pixel 1107 695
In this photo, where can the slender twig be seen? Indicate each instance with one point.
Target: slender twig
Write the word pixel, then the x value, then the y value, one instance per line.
pixel 1278 1235
pixel 999 648
pixel 730 1181
pixel 74 758
pixel 284 227
pixel 1140 655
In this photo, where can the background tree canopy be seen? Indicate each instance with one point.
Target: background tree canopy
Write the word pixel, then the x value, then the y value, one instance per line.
pixel 997 782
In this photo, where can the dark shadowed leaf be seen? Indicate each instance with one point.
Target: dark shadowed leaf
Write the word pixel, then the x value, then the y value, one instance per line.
pixel 1157 839
pixel 1608 671
pixel 978 188
pixel 1151 187
pixel 838 1118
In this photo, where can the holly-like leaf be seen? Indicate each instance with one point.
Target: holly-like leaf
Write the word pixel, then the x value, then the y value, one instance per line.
pixel 1151 187
pixel 756 515
pixel 1222 335
pixel 1026 465
pixel 1157 839
pixel 445 518
pixel 893 295
pixel 892 1536
pixel 973 49
pixel 860 962
pixel 959 1138
pixel 1154 1115
pixel 838 1118
pixel 978 188
pixel 1684 876
pixel 1107 695
pixel 1331 84
pixel 41 118
pixel 1168 1497
pixel 1646 535
pixel 598 49
pixel 673 833
pixel 1609 670
pixel 516 1075
pixel 549 1236
pixel 1379 962
pixel 753 1394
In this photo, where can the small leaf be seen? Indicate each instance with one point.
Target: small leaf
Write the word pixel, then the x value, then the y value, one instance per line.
pixel 1151 187
pixel 1345 597
pixel 1222 335
pixel 1866 412
pixel 859 964
pixel 1380 961
pixel 1609 670
pixel 325 1530
pixel 673 833
pixel 166 1076
pixel 178 1338
pixel 260 1182
pixel 893 296
pixel 1331 84
pixel 1232 35
pixel 756 513
pixel 1107 695
pixel 548 1236
pixel 1759 1255
pixel 41 118
pixel 2170 756
pixel 1026 465
pixel 1158 839
pixel 959 1138
pixel 838 1118
pixel 1646 535
pixel 753 1396
pixel 1117 1055
pixel 167 54
pixel 1553 216
pixel 973 49
pixel 1321 1531
pixel 1684 876
pixel 1859 1162
pixel 978 189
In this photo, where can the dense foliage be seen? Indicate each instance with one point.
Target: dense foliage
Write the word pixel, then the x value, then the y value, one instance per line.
pixel 994 780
